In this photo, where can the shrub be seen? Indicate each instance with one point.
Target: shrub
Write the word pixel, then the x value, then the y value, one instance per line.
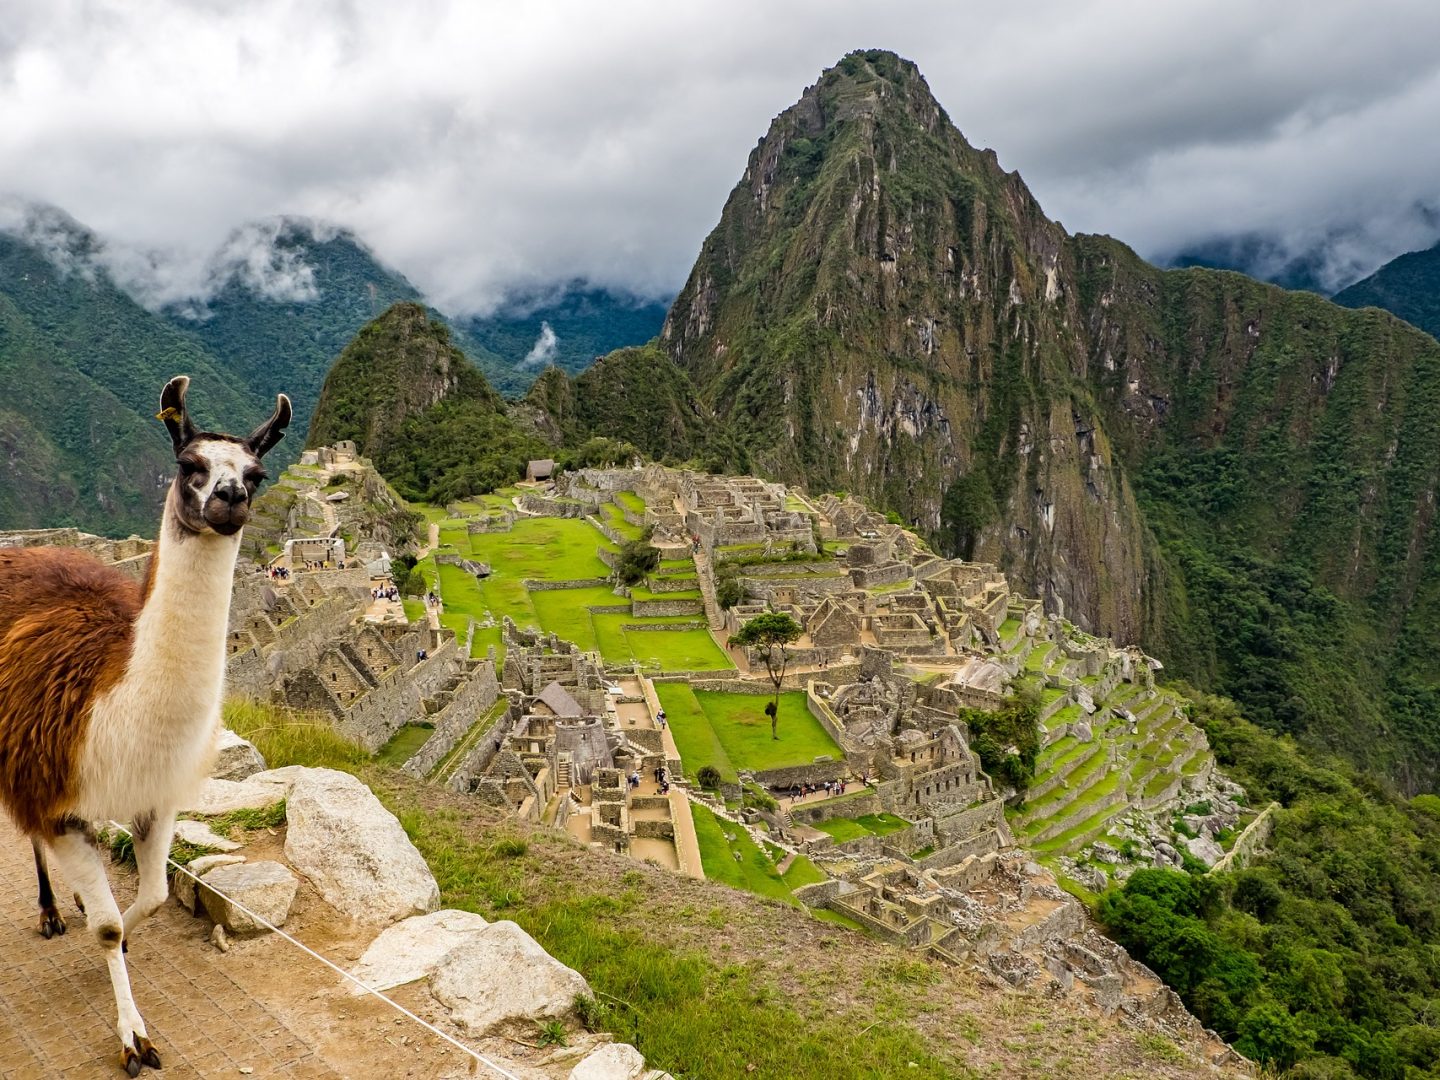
pixel 708 778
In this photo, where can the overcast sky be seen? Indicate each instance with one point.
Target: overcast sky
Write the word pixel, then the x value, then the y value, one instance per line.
pixel 482 147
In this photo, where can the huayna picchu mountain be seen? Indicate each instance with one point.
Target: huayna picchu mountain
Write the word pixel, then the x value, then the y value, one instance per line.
pixel 415 404
pixel 1241 478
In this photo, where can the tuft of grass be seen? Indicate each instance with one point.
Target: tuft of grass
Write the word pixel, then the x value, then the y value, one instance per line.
pixel 285 737
pixel 553 1033
pixel 247 819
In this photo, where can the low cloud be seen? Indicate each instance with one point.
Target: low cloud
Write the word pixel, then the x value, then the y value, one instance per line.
pixel 544 349
pixel 599 142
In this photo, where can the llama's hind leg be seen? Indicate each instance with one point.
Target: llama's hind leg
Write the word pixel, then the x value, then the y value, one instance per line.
pixel 51 922
pixel 152 834
pixel 84 868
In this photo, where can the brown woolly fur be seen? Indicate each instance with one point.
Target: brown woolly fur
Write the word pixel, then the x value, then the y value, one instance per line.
pixel 66 625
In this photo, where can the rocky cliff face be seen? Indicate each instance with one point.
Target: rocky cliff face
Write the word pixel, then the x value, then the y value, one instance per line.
pixel 1239 477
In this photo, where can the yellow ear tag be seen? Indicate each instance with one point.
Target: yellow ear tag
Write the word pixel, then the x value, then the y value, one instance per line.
pixel 171 413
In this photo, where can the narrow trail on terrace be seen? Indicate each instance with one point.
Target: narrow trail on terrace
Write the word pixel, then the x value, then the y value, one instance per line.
pixel 263 1006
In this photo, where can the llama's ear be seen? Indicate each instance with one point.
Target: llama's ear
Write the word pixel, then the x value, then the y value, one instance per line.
pixel 264 438
pixel 172 411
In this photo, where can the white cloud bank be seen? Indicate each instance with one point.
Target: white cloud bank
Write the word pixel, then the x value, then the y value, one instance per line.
pixel 485 148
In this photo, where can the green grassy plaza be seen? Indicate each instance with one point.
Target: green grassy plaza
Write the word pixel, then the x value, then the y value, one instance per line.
pixel 555 550
pixel 732 732
pixel 881 824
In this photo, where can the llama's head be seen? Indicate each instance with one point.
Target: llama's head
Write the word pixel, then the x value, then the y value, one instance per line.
pixel 218 473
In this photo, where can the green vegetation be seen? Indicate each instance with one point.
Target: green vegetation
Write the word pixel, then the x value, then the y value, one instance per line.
pixel 743 865
pixel 1408 286
pixel 1008 740
pixel 404 743
pixel 882 824
pixel 729 731
pixel 285 737
pixel 688 1013
pixel 638 559
pixel 1322 952
pixel 416 405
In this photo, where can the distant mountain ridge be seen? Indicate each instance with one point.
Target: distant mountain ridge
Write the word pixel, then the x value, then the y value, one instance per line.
pixel 1408 287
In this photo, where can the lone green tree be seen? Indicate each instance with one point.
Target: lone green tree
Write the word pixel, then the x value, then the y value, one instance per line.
pixel 771 631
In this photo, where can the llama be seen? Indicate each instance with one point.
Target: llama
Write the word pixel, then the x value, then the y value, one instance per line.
pixel 110 691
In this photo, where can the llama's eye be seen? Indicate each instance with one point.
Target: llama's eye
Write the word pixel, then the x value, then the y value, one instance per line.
pixel 189 469
pixel 256 478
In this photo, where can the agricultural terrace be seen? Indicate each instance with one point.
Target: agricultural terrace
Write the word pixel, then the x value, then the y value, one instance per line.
pixel 593 616
pixel 732 732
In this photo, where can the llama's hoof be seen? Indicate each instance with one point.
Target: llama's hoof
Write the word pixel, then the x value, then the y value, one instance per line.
pixel 51 924
pixel 143 1053
pixel 146 1049
pixel 79 904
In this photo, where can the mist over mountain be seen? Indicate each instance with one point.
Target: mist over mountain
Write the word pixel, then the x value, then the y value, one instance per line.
pixel 1408 287
pixel 568 328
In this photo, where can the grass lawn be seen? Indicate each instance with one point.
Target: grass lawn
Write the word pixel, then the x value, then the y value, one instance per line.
pixel 630 501
pixel 414 609
pixel 752 871
pixel 740 723
pixel 612 516
pixel 672 650
pixel 403 744
pixel 731 732
pixel 542 549
pixel 694 737
pixel 865 825
pixel 566 612
pixel 639 592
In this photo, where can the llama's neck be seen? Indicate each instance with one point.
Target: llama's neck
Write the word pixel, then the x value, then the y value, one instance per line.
pixel 177 657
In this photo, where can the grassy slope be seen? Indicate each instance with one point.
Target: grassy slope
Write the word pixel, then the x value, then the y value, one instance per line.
pixel 713 983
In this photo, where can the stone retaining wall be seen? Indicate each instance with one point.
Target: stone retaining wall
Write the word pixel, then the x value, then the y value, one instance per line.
pixel 377 715
pixel 477 694
pixel 1251 840
pixel 651 608
pixel 863 802
pixel 573 583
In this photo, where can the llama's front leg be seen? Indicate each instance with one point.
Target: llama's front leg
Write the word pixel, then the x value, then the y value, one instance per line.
pixel 51 922
pixel 152 834
pixel 80 861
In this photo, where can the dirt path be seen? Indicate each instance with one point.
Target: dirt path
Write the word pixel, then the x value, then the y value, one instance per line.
pixel 263 1006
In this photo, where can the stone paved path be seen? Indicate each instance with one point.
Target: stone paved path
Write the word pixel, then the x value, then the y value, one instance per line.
pixel 263 1006
pixel 57 1013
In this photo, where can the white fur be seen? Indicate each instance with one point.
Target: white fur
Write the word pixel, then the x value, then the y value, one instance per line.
pixel 152 735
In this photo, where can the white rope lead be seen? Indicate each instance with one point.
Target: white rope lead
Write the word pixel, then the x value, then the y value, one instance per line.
pixel 481 1058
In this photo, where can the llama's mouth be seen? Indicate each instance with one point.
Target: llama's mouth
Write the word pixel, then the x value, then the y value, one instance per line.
pixel 228 528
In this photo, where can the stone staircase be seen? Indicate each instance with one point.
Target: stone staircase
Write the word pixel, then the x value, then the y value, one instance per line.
pixel 713 616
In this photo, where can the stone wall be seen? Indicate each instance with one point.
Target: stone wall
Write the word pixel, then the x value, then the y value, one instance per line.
pixel 575 583
pixel 865 801
pixel 376 716
pixel 650 608
pixel 1251 840
pixel 475 697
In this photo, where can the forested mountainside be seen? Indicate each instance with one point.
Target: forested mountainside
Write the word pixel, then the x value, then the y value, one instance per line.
pixel 1408 286
pixel 287 344
pixel 83 365
pixel 584 322
pixel 415 404
pixel 1239 477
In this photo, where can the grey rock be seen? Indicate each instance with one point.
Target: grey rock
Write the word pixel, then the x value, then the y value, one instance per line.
pixel 413 948
pixel 502 974
pixel 236 758
pixel 201 835
pixel 354 851
pixel 1205 849
pixel 266 888
pixel 222 796
pixel 184 884
pixel 613 1061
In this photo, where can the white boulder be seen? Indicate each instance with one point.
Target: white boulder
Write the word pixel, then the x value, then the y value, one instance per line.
pixel 223 796
pixel 184 884
pixel 354 851
pixel 265 888
pixel 413 948
pixel 613 1061
pixel 235 758
pixel 502 974
pixel 1205 849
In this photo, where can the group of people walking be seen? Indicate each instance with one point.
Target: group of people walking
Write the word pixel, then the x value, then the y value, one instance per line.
pixel 829 787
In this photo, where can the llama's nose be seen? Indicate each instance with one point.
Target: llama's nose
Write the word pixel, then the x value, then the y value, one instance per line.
pixel 230 492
